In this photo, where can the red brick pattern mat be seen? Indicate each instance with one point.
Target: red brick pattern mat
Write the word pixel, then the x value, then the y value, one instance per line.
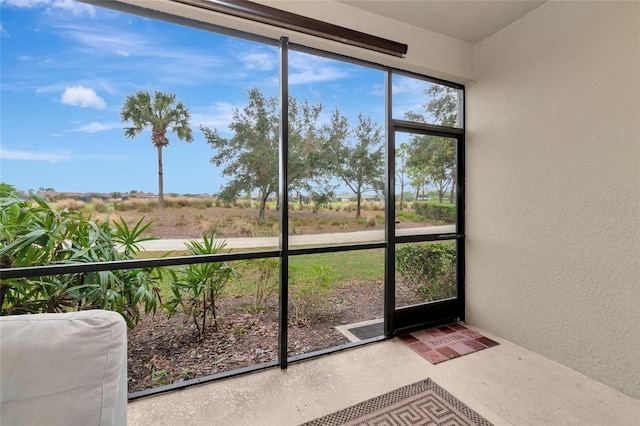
pixel 421 403
pixel 446 342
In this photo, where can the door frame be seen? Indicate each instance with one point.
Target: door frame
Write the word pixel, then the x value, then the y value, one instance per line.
pixel 405 319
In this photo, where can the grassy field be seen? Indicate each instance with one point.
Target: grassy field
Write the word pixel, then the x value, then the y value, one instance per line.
pixel 191 217
pixel 366 265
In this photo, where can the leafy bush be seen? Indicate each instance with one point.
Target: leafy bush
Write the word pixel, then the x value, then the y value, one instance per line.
pixel 99 205
pixel 199 286
pixel 309 288
pixel 266 280
pixel 146 206
pixel 69 204
pixel 428 269
pixel 124 206
pixel 436 211
pixel 409 216
pixel 34 234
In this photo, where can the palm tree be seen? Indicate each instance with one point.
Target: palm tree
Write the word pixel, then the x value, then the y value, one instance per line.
pixel 160 115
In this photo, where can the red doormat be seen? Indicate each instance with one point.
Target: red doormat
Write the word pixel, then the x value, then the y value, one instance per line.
pixel 439 344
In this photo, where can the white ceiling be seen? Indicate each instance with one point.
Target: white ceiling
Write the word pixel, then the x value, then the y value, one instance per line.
pixel 470 21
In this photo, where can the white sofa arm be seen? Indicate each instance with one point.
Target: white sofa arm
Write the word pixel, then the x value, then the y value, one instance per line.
pixel 63 369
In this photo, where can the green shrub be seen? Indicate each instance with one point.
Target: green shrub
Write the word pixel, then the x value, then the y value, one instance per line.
pixel 128 205
pixel 99 205
pixel 266 280
pixel 198 287
pixel 437 212
pixel 409 216
pixel 34 234
pixel 309 287
pixel 428 269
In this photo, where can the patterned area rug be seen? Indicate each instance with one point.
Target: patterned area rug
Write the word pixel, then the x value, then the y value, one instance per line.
pixel 422 403
pixel 446 342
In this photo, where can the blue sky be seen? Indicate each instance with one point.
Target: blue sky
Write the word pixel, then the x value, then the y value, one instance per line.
pixel 67 67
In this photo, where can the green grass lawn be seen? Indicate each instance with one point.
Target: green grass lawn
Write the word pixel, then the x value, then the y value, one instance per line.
pixel 362 264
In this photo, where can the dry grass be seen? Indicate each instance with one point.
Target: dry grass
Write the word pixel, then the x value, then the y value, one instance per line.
pixel 191 217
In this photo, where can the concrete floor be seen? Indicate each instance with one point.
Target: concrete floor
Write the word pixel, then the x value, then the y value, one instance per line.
pixel 507 384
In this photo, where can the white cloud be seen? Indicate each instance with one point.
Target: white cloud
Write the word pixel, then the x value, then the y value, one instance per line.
pixel 217 116
pixel 143 49
pixel 306 69
pixel 33 156
pixel 26 3
pixel 315 75
pixel 83 97
pixel 96 126
pixel 72 6
pixel 259 61
pixel 3 32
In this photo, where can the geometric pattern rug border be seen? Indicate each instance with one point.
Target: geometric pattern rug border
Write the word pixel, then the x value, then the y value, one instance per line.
pixel 421 403
pixel 439 344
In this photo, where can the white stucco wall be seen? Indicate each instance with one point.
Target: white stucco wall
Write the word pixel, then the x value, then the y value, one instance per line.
pixel 553 187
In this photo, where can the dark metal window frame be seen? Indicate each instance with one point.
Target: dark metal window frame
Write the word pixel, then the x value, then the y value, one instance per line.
pixel 394 319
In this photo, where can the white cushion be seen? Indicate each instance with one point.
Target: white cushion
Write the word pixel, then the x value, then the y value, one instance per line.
pixel 63 369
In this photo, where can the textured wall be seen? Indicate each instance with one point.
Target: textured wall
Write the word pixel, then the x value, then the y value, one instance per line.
pixel 553 187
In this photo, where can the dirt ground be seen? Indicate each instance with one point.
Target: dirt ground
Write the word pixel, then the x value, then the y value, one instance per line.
pixel 165 350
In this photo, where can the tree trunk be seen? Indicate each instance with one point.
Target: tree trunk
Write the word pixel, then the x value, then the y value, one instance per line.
pixel 263 205
pixel 160 180
pixel 452 197
pixel 358 202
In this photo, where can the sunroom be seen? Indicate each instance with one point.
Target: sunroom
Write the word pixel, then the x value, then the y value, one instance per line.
pixel 527 115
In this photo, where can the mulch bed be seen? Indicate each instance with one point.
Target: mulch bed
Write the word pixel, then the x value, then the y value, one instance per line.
pixel 165 350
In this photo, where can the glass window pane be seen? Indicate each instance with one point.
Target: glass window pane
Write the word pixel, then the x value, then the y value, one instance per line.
pixel 201 337
pixel 336 152
pixel 424 102
pixel 426 184
pixel 89 149
pixel 334 298
pixel 425 272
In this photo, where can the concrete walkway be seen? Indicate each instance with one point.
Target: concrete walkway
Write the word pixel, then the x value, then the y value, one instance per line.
pixel 506 384
pixel 300 240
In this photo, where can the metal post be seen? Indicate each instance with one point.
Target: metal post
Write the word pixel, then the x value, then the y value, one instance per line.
pixel 284 202
pixel 390 213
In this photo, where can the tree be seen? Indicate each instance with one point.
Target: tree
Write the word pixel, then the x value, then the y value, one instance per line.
pixel 401 170
pixel 308 168
pixel 7 189
pixel 250 158
pixel 432 159
pixel 356 157
pixel 161 116
pixel 443 107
